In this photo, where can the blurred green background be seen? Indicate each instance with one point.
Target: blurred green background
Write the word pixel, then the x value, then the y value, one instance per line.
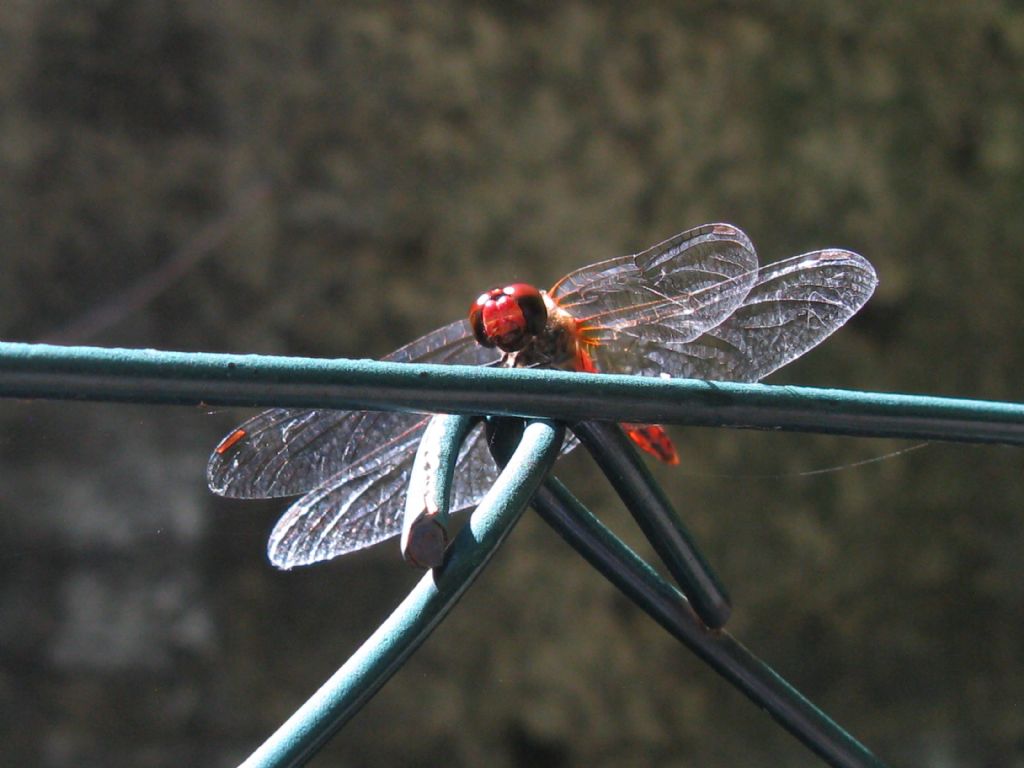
pixel 334 179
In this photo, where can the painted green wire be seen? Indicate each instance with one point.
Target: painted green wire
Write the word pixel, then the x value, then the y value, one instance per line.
pixel 191 378
pixel 716 647
pixel 384 652
pixel 674 610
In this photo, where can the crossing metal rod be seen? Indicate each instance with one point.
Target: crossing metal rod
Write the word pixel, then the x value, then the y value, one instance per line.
pixel 193 378
pixel 720 650
pixel 366 671
pixel 653 512
pixel 665 604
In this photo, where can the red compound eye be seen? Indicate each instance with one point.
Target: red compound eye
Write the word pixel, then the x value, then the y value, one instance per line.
pixel 508 317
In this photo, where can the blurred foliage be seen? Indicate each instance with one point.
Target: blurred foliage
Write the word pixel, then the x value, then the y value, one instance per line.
pixel 414 155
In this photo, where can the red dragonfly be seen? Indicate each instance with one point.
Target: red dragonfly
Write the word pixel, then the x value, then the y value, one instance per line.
pixel 695 306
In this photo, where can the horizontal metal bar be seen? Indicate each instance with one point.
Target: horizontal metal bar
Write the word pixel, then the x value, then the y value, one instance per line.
pixel 91 373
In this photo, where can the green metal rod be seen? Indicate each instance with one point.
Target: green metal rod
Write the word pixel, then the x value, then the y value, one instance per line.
pixel 720 650
pixel 654 513
pixel 670 608
pixel 384 652
pixel 150 376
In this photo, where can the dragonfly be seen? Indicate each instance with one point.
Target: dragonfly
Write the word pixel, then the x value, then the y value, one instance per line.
pixel 695 306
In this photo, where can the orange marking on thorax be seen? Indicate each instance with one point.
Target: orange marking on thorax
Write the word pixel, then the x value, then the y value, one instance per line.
pixel 229 441
pixel 584 362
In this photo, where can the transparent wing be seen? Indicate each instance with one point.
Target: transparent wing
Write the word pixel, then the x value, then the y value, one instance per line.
pixel 288 451
pixel 668 294
pixel 363 504
pixel 794 305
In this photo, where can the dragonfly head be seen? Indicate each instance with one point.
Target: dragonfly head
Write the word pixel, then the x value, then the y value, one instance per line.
pixel 509 317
